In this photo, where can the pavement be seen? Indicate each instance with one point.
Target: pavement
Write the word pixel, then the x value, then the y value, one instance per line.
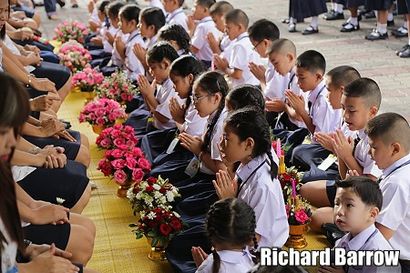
pixel 376 60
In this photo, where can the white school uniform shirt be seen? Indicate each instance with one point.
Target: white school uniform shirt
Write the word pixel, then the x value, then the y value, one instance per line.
pixel 157 4
pixel 369 239
pixel 226 47
pixel 324 117
pixel 194 124
pixel 12 47
pixel 291 82
pixel 20 172
pixel 200 40
pixel 275 83
pixel 242 54
pixel 395 213
pixel 215 139
pixel 94 16
pixel 152 41
pixel 361 153
pixel 8 252
pixel 264 195
pixel 177 17
pixel 116 58
pixel 132 63
pixel 106 45
pixel 165 92
pixel 231 261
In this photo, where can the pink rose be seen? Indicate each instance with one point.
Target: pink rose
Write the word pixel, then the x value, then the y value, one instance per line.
pixel 118 163
pixel 120 143
pixel 137 175
pixel 105 167
pixel 105 143
pixel 144 164
pixel 117 153
pixel 137 152
pixel 115 133
pixel 100 121
pixel 301 216
pixel 120 176
pixel 130 162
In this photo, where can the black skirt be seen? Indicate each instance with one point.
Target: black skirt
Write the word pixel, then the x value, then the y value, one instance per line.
pixel 48 234
pixel 56 73
pixel 354 3
pixel 301 9
pixel 68 183
pixel 403 6
pixel 378 4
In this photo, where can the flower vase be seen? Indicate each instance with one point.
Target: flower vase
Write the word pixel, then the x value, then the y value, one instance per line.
pixel 296 238
pixel 97 128
pixel 157 252
pixel 88 95
pixel 122 189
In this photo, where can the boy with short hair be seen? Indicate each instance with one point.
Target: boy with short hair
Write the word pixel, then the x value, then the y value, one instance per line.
pixel 307 157
pixel 390 148
pixel 358 201
pixel 218 11
pixel 361 101
pixel 175 12
pixel 205 26
pixel 236 25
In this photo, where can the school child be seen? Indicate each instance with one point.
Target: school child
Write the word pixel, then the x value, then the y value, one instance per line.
pixel 390 148
pixel 358 203
pixel 361 101
pixel 218 11
pixel 247 139
pixel 177 36
pixel 199 44
pixel 92 40
pixel 150 22
pixel 183 73
pixel 156 4
pixel 175 13
pixel 230 226
pixel 237 67
pixel 245 96
pixel 352 24
pixel 404 8
pixel 307 157
pixel 129 17
pixel 382 7
pixel 262 33
pixel 159 59
pixel 301 9
pixel 96 19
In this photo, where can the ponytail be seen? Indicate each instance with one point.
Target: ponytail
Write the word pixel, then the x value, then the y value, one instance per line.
pixel 273 165
pixel 217 261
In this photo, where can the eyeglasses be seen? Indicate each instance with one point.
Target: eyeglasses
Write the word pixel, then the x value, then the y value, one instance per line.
pixel 254 48
pixel 196 99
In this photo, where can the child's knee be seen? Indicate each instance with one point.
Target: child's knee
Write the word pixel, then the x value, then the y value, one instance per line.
pixel 321 216
pixel 84 141
pixel 83 156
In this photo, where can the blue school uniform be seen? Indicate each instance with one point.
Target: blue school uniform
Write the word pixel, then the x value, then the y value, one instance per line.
pixel 301 9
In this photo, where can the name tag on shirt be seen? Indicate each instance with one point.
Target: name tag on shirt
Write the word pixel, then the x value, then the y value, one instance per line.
pixel 193 167
pixel 327 162
pixel 172 145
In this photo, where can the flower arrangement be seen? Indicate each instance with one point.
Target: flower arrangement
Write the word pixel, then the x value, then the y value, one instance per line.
pixel 117 87
pixel 71 30
pixel 102 112
pixel 88 79
pixel 286 178
pixel 119 136
pixel 152 193
pixel 124 165
pixel 158 224
pixel 297 208
pixel 74 56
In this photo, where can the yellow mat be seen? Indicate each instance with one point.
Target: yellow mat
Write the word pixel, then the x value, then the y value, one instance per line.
pixel 116 249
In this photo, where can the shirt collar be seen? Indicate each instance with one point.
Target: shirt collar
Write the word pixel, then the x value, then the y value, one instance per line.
pixel 206 19
pixel 396 164
pixel 231 256
pixel 244 171
pixel 360 239
pixel 174 12
pixel 315 92
pixel 242 35
pixel 211 116
pixel 362 135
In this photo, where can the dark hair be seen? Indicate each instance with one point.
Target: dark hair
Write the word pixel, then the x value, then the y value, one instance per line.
pixel 205 3
pixel 246 95
pixel 130 12
pixel 212 82
pixel 251 122
pixel 364 88
pixel 390 128
pixel 14 111
pixel 343 75
pixel 312 61
pixel 180 2
pixel 184 66
pixel 368 190
pixel 153 16
pixel 237 16
pixel 230 221
pixel 282 46
pixel 220 8
pixel 176 33
pixel 160 51
pixel 263 29
pixel 114 8
pixel 275 269
pixel 102 6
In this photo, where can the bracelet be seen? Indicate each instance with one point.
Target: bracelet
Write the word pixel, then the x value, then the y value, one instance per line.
pixel 200 155
pixel 35 150
pixel 27 242
pixel 29 80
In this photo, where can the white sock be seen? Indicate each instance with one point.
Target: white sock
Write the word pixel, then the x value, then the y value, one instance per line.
pixel 405 24
pixel 376 13
pixel 381 28
pixel 390 16
pixel 334 6
pixel 339 8
pixel 315 22
pixel 409 41
pixel 353 21
pixel 292 21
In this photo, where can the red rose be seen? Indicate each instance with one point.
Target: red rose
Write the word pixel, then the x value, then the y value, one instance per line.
pixel 137 175
pixel 165 229
pixel 152 224
pixel 151 180
pixel 149 189
pixel 176 224
pixel 144 164
pixel 163 190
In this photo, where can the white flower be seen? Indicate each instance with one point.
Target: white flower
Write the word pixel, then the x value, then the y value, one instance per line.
pixel 163 200
pixel 170 196
pixel 156 186
pixel 157 195
pixel 151 215
pixel 60 200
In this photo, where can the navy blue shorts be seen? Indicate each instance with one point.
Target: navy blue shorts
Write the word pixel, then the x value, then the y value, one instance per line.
pixel 331 191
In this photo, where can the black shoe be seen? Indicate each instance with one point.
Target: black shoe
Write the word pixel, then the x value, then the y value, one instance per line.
pixel 400 32
pixel 390 23
pixel 375 35
pixel 370 14
pixel 349 27
pixel 74 6
pixel 405 53
pixel 285 21
pixel 61 3
pixel 332 232
pixel 310 30
pixel 334 16
pixel 404 48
